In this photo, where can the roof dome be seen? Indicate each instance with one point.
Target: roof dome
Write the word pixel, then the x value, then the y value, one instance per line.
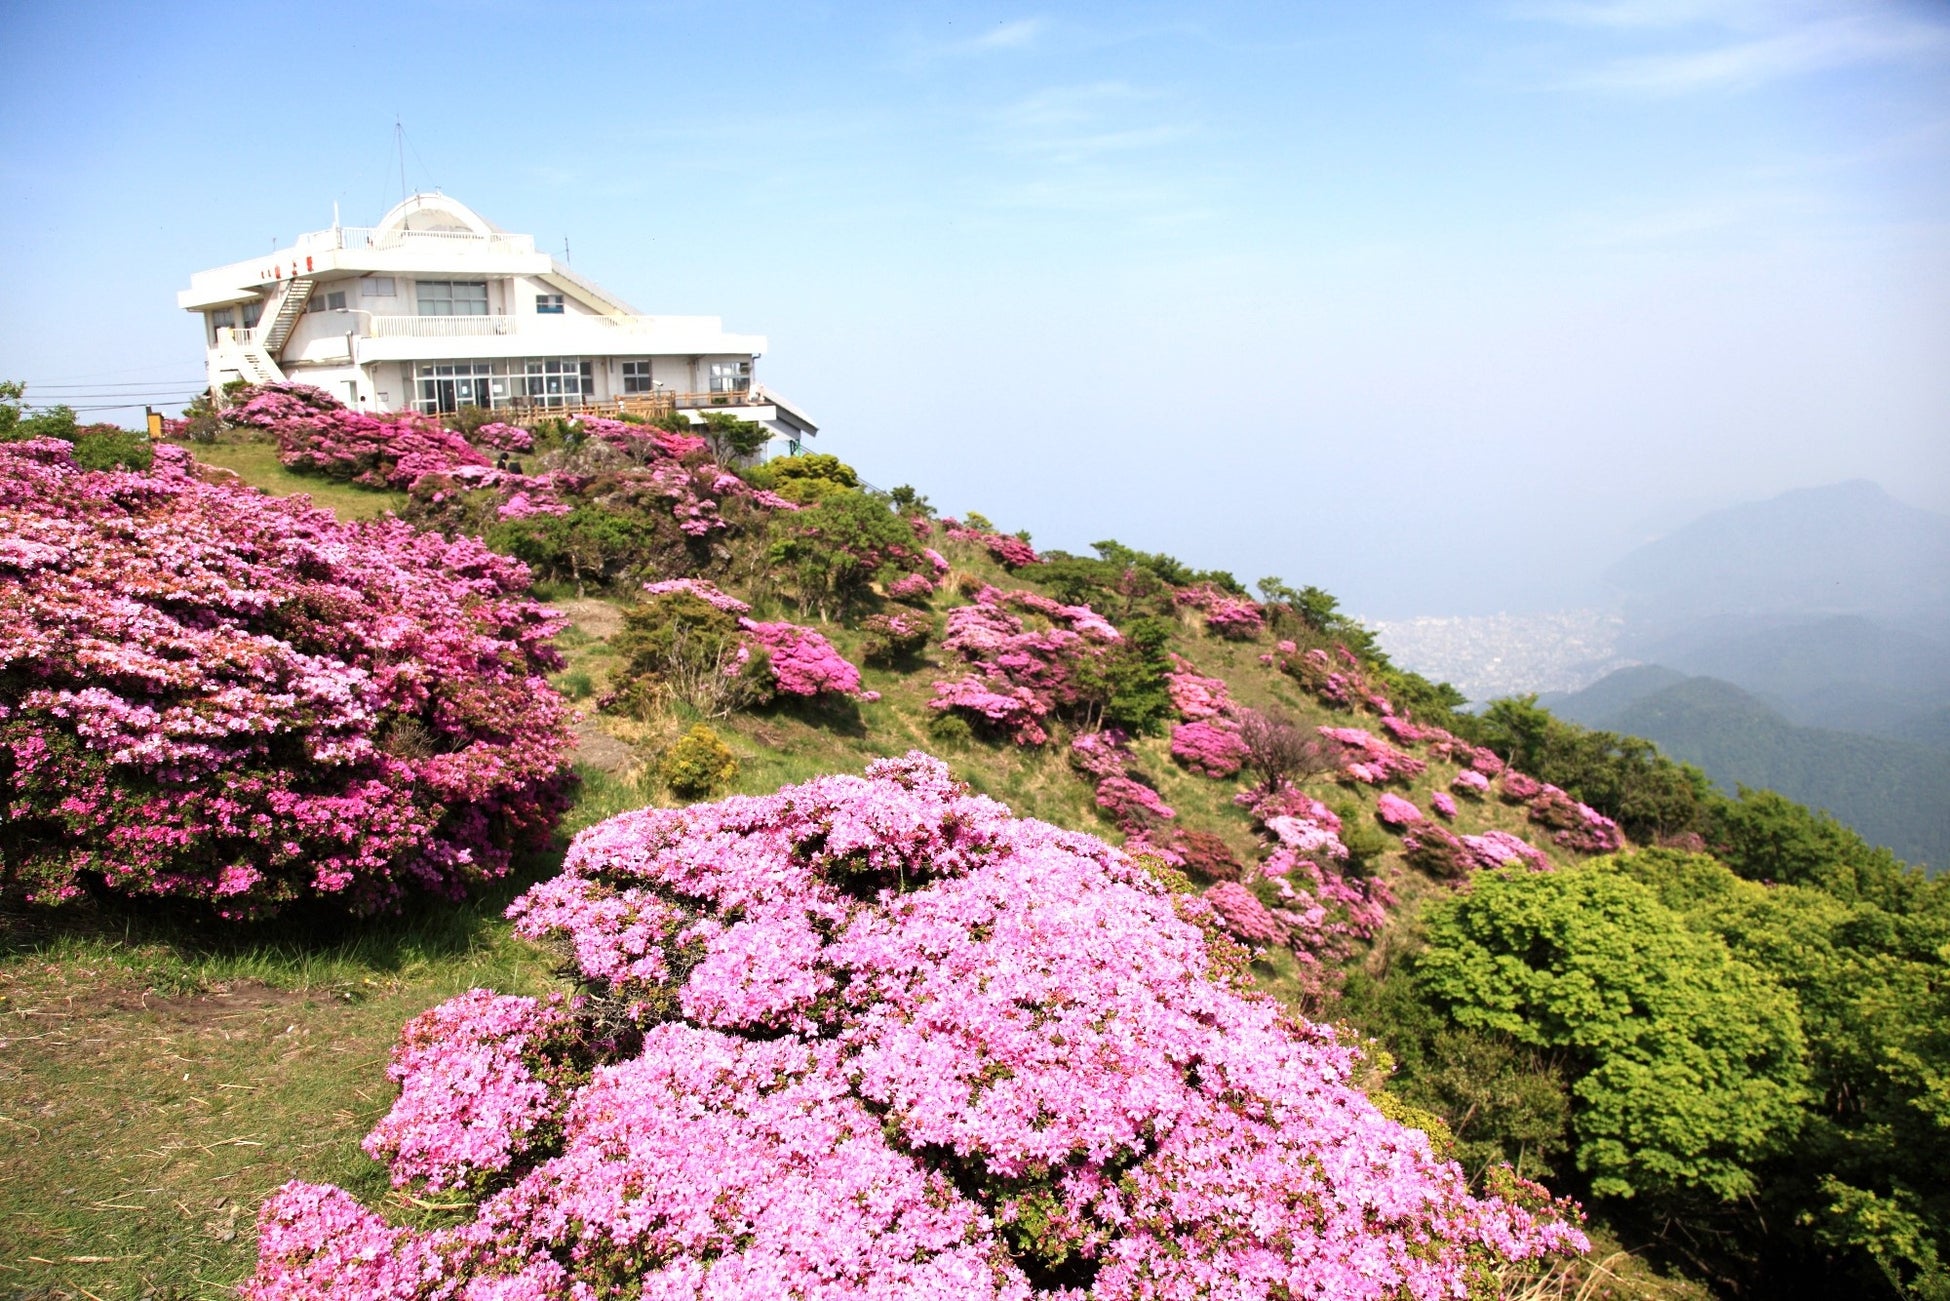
pixel 435 212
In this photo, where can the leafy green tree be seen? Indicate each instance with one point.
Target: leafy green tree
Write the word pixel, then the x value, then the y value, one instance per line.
pixel 686 648
pixel 1623 777
pixel 831 552
pixel 1686 1063
pixel 732 439
pixel 588 545
pixel 806 479
pixel 1127 687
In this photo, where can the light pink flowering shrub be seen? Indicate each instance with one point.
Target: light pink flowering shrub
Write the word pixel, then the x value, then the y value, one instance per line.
pixel 916 588
pixel 1520 788
pixel 898 1044
pixel 1197 698
pixel 1009 552
pixel 1212 748
pixel 217 695
pixel 1444 805
pixel 804 663
pixel 1470 782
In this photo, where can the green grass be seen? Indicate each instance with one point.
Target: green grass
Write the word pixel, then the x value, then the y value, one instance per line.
pixel 256 463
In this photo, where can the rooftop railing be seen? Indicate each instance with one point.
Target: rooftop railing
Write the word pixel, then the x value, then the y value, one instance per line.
pixel 378 238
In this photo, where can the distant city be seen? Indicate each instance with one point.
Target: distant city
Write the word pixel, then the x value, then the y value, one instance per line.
pixel 1486 656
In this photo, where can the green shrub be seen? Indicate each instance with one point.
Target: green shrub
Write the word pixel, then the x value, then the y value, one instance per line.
pixel 894 638
pixel 699 764
pixel 950 729
pixel 104 447
pixel 689 649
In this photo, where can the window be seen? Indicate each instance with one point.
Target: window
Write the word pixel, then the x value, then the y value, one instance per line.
pixel 452 297
pixel 548 304
pixel 253 312
pixel 547 382
pixel 636 377
pixel 223 319
pixel 377 287
pixel 731 376
pixel 332 302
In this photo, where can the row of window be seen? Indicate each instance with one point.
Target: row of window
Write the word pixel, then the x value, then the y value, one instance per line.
pixel 549 382
pixel 544 382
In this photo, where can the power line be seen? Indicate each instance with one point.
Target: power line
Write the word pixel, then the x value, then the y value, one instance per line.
pixel 143 385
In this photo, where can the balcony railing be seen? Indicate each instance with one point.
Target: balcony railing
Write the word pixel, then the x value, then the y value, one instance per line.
pixel 440 327
pixel 660 403
pixel 370 237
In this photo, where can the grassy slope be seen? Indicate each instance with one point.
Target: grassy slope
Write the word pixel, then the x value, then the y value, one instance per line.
pixel 156 1082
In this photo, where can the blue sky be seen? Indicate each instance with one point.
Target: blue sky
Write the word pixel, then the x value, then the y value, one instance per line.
pixel 1440 306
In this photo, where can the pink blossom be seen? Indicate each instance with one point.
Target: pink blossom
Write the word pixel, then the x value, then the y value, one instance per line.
pixel 843 998
pixel 1394 811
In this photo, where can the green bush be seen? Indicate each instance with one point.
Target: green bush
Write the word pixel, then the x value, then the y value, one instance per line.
pixel 688 649
pixel 104 447
pixel 699 764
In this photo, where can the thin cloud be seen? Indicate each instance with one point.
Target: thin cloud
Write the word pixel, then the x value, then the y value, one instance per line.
pixel 1747 43
pixel 1019 34
pixel 1074 124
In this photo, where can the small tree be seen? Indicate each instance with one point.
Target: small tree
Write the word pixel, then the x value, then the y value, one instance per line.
pixel 732 439
pixel 1282 752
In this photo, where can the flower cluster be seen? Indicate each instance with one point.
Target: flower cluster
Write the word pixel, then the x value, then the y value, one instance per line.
pixel 1574 825
pixel 1212 748
pixel 1244 917
pixel 1007 551
pixel 1235 618
pixel 1470 782
pixel 504 437
pixel 1394 811
pixel 315 433
pixel 1019 675
pixel 1197 698
pixel 804 663
pixel 894 1043
pixel 1368 759
pixel 213 694
pixel 1444 805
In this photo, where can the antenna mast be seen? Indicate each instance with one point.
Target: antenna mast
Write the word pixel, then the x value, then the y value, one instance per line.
pixel 399 143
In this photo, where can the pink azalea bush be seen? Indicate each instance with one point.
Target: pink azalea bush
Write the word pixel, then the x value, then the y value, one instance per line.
pixel 317 434
pixel 1197 698
pixel 1019 675
pixel 504 437
pixel 217 695
pixel 1009 552
pixel 1131 804
pixel 1368 759
pixel 804 663
pixel 911 587
pixel 1235 618
pixel 1211 748
pixel 1394 811
pixel 1470 782
pixel 875 1038
pixel 1244 917
pixel 1444 805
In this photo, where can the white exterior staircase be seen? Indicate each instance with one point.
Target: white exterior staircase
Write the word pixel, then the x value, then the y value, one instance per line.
pixel 291 306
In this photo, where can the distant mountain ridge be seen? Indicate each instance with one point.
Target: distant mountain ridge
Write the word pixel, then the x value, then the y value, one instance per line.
pixel 1896 793
pixel 1845 549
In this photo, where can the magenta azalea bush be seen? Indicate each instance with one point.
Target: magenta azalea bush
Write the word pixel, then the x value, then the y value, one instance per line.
pixel 1009 552
pixel 1019 674
pixel 873 1037
pixel 804 663
pixel 316 433
pixel 1212 748
pixel 216 695
pixel 1394 811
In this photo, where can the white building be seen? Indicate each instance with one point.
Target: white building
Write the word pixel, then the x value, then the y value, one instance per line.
pixel 434 309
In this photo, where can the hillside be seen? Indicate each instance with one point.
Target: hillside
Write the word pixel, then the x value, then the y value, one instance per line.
pixel 1318 814
pixel 1892 792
